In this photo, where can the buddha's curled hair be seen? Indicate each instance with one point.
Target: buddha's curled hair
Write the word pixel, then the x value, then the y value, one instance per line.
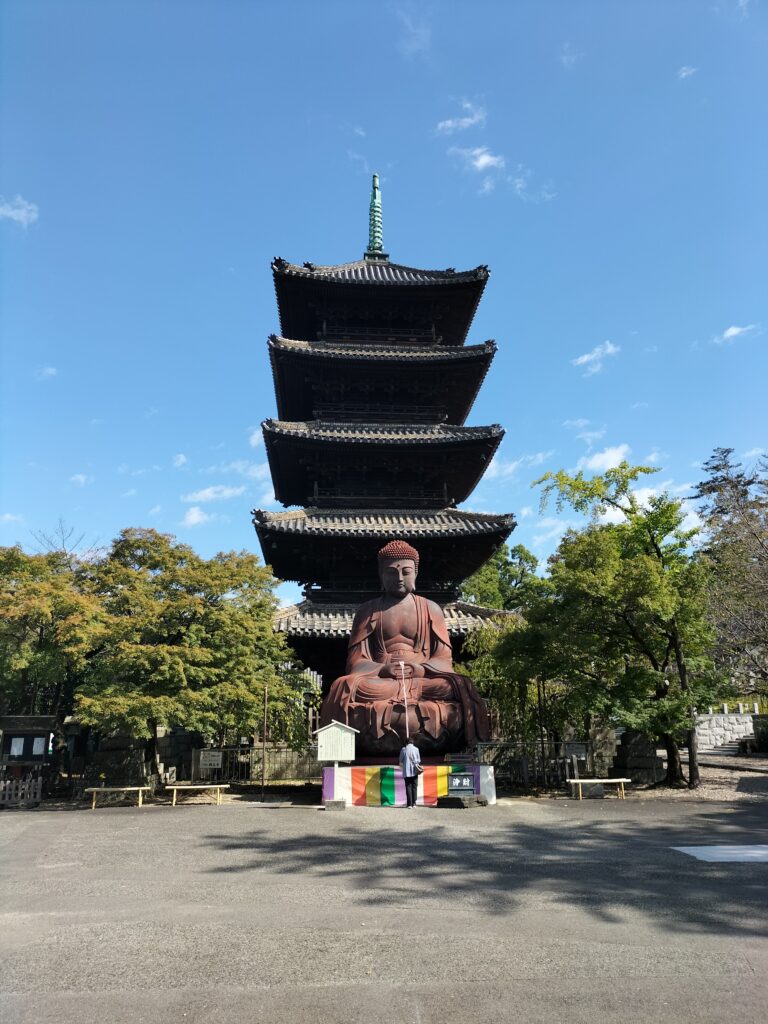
pixel 398 549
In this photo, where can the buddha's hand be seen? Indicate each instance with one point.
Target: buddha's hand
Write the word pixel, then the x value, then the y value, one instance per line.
pixel 409 670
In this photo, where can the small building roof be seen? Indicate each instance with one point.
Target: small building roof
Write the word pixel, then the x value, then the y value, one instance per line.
pixel 335 725
pixel 27 723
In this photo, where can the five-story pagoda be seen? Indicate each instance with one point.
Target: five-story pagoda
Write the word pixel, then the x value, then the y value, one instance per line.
pixel 374 383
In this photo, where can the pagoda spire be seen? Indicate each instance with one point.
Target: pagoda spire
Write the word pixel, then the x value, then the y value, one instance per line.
pixel 375 250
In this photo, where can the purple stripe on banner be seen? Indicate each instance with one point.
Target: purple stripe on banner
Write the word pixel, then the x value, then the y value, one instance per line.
pixel 399 788
pixel 328 783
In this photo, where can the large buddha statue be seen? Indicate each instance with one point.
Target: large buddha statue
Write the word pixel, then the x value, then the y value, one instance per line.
pixel 399 667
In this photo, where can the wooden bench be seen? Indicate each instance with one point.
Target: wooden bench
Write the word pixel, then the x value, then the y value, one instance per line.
pixel 619 783
pixel 184 787
pixel 141 790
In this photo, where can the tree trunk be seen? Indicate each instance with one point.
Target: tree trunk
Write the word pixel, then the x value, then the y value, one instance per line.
pixel 674 765
pixel 694 778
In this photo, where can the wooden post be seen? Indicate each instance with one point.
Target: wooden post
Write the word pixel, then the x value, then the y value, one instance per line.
pixel 264 748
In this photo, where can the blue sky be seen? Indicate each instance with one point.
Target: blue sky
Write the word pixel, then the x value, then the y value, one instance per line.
pixel 606 160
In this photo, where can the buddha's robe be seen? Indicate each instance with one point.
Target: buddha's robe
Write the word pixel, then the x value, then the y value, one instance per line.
pixel 445 711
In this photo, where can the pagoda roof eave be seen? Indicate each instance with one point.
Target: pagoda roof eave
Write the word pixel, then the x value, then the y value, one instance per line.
pixel 379 272
pixel 335 620
pixel 345 523
pixel 340 432
pixel 374 352
pixel 299 290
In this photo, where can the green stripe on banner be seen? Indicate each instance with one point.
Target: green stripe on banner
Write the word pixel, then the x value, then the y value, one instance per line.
pixel 388 787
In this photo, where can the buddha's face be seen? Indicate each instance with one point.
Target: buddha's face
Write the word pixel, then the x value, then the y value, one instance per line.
pixel 398 576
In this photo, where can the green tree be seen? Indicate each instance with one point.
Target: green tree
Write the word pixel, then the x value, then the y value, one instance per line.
pixel 190 642
pixel 627 627
pixel 49 629
pixel 734 507
pixel 505 581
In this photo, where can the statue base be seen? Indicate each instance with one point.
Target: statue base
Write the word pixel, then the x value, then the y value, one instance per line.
pixel 382 785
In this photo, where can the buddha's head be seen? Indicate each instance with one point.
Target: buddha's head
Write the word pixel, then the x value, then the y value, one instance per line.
pixel 398 568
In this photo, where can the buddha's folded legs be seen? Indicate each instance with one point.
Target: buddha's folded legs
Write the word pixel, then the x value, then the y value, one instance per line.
pixel 375 707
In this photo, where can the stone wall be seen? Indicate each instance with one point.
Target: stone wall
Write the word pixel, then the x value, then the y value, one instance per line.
pixel 716 730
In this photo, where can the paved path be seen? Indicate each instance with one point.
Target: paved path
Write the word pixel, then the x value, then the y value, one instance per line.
pixel 529 912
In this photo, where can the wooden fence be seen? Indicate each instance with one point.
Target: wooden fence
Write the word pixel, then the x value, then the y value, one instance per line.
pixel 21 792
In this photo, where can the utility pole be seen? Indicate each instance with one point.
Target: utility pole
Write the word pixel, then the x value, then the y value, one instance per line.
pixel 264 747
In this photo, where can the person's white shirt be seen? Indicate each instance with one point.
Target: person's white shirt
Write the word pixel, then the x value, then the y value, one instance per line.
pixel 409 758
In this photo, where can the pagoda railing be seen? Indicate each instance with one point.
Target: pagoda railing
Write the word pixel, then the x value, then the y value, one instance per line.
pixel 352 333
pixel 380 496
pixel 379 412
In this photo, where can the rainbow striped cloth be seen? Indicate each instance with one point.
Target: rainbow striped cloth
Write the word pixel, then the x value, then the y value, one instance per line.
pixel 383 785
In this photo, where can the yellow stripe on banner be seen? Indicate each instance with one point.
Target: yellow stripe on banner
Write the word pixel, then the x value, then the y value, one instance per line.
pixel 442 779
pixel 373 787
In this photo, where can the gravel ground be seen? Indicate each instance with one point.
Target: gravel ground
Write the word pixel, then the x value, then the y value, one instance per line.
pixel 716 784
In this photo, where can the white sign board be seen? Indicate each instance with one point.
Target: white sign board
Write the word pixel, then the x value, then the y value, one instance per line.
pixel 210 759
pixel 336 742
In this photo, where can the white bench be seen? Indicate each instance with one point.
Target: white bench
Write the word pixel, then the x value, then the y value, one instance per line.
pixel 184 787
pixel 619 783
pixel 141 790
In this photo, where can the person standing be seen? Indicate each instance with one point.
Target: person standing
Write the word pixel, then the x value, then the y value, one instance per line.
pixel 410 762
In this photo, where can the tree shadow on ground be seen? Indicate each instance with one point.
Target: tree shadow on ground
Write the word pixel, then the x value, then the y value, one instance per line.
pixel 605 868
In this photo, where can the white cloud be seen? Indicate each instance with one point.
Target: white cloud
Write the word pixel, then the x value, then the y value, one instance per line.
pixel 549 529
pixel 526 512
pixel 472 117
pixel 249 470
pixel 521 182
pixel 685 71
pixel 124 469
pixel 218 492
pixel 80 479
pixel 608 458
pixel 155 510
pixel 593 361
pixel 18 210
pixel 358 158
pixel 479 158
pixel 267 497
pixel 195 517
pixel 569 56
pixel 654 457
pixel 498 469
pixel 730 334
pixel 131 493
pixel 46 373
pixel 576 424
pixel 180 460
pixel 753 453
pixel 590 436
pixel 9 517
pixel 359 131
pixel 639 405
pixel 416 35
pixel 255 437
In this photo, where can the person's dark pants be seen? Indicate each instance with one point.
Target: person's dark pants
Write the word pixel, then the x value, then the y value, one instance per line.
pixel 411 788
